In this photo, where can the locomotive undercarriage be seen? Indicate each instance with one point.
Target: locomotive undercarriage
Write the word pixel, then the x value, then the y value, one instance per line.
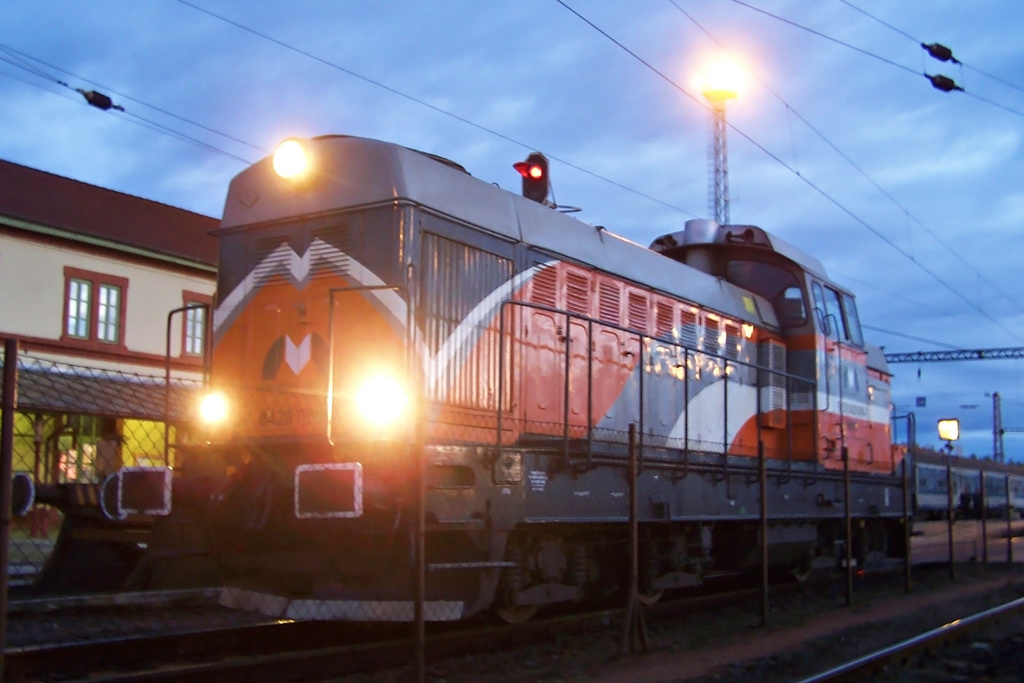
pixel 590 563
pixel 555 532
pixel 512 533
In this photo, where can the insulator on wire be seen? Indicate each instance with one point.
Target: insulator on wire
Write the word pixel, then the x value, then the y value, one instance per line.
pixel 943 83
pixel 99 100
pixel 940 52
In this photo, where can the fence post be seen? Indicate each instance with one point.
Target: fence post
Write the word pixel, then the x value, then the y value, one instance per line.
pixel 10 404
pixel 906 525
pixel 1009 525
pixel 848 520
pixel 950 515
pixel 207 344
pixel 984 522
pixel 418 451
pixel 634 630
pixel 762 484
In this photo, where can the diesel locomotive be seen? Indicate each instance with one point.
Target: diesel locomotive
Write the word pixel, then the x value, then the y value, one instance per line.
pixel 388 324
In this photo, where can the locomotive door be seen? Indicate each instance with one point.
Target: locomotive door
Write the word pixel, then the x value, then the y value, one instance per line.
pixel 557 387
pixel 557 353
pixel 843 390
pixel 544 346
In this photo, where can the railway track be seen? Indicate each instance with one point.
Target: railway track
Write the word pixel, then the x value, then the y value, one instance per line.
pixel 924 653
pixel 201 640
pixel 274 651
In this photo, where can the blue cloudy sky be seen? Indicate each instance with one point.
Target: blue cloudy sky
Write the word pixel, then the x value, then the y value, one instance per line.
pixel 910 197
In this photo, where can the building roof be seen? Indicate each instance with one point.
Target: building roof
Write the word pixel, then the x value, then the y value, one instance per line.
pixel 53 201
pixel 58 388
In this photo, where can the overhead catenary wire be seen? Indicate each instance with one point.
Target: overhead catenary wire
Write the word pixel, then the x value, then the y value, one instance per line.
pixel 483 128
pixel 951 347
pixel 1014 301
pixel 828 197
pixel 104 103
pixel 914 39
pixel 22 61
pixel 938 81
pixel 423 103
pixel 24 56
pixel 829 38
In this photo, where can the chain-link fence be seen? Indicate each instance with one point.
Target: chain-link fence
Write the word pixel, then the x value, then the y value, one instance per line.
pixel 487 506
pixel 91 453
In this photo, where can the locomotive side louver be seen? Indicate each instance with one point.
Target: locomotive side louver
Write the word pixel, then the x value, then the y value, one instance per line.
pixel 771 359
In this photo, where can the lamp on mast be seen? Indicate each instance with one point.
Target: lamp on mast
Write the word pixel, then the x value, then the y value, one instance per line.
pixel 719 84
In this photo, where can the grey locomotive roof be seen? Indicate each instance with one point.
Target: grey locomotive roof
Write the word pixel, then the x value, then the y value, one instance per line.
pixel 702 232
pixel 353 172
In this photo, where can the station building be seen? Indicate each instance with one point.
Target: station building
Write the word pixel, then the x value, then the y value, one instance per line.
pixel 97 286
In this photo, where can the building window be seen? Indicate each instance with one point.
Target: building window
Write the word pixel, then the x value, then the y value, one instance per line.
pixel 79 295
pixel 95 308
pixel 194 327
pixel 195 331
pixel 109 313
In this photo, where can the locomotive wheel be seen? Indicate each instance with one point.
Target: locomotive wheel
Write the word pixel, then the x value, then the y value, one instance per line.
pixel 519 614
pixel 803 568
pixel 650 597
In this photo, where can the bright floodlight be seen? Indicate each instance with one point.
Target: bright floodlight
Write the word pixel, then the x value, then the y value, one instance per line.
pixel 290 159
pixel 381 400
pixel 213 407
pixel 722 80
pixel 949 429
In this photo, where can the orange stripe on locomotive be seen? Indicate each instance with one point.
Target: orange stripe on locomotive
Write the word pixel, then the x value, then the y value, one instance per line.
pixel 274 358
pixel 537 397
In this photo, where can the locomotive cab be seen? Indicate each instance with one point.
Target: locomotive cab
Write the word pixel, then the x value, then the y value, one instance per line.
pixel 819 324
pixel 747 256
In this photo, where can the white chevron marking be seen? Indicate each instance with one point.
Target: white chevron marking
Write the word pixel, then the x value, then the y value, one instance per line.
pixel 456 346
pixel 297 357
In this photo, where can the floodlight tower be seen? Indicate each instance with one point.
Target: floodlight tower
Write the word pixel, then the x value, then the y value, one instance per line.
pixel 718 85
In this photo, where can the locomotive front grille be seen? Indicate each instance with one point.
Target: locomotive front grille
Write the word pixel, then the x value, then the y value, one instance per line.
pixel 333 490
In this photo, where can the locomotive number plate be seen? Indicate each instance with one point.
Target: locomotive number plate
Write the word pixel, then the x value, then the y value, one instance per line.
pixel 329 490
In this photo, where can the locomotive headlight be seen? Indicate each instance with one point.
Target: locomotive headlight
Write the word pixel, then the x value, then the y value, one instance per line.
pixel 213 407
pixel 291 159
pixel 381 400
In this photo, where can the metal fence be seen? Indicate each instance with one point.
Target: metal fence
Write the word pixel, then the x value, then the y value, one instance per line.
pixel 92 454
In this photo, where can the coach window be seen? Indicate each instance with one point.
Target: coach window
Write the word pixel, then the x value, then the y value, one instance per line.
pixel 94 308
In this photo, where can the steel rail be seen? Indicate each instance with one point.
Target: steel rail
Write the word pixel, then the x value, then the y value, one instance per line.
pixel 264 652
pixel 862 665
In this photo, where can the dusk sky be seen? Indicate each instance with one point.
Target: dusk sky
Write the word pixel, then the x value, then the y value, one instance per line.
pixel 911 197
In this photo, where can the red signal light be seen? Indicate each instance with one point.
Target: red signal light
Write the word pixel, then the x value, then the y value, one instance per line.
pixel 535 176
pixel 528 170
